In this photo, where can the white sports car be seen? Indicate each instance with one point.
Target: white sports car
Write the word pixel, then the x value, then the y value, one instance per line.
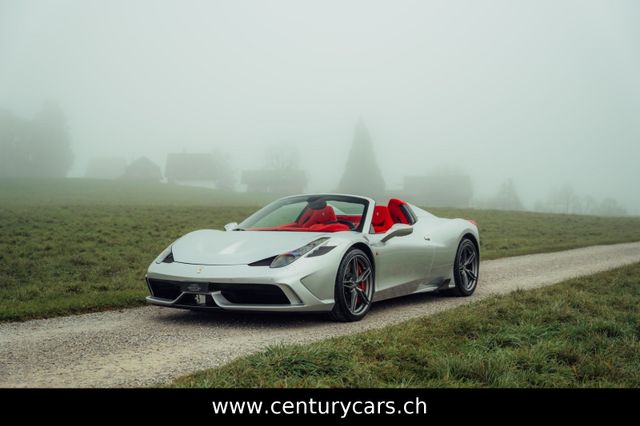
pixel 320 252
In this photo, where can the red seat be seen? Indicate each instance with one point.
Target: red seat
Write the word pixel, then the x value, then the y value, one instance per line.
pixel 321 216
pixel 396 213
pixel 381 219
pixel 306 215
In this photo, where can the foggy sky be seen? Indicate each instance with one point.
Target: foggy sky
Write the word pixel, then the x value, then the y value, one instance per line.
pixel 544 92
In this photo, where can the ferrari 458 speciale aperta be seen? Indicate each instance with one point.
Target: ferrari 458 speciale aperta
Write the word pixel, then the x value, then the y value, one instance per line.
pixel 318 252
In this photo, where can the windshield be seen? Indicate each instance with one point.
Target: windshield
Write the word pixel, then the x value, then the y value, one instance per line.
pixel 310 213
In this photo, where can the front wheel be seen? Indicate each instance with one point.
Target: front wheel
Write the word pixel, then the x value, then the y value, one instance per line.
pixel 466 268
pixel 354 287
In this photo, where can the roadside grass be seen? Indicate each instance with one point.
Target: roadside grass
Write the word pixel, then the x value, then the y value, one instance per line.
pixel 78 245
pixel 68 259
pixel 504 234
pixel 581 333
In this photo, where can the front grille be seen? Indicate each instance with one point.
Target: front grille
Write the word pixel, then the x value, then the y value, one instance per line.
pixel 242 294
pixel 254 294
pixel 164 289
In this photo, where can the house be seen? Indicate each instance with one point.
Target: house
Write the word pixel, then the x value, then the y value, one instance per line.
pixel 446 190
pixel 190 168
pixel 143 169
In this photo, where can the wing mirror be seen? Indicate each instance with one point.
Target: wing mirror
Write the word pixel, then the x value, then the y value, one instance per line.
pixel 231 226
pixel 397 230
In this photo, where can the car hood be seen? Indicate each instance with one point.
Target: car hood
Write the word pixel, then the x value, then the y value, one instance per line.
pixel 212 247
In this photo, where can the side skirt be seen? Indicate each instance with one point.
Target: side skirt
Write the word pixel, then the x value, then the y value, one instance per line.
pixel 412 287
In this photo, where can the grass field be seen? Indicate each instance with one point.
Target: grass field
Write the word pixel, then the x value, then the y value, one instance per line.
pixel 76 245
pixel 581 333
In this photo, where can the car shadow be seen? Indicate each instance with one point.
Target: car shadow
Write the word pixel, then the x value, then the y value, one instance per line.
pixel 277 320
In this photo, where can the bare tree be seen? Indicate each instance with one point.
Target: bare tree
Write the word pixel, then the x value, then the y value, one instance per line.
pixel 610 207
pixel 282 157
pixel 507 197
pixel 589 205
pixel 564 200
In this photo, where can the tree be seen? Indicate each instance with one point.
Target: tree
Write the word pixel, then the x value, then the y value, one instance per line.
pixel 282 157
pixel 507 197
pixel 14 153
pixel 281 174
pixel 610 207
pixel 50 144
pixel 589 205
pixel 40 147
pixel 362 174
pixel 564 200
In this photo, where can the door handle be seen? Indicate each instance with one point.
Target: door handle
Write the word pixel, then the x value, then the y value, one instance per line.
pixel 427 238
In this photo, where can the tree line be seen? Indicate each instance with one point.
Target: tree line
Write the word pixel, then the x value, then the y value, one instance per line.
pixel 36 147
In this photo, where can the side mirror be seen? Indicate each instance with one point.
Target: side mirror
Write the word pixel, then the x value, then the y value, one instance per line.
pixel 231 226
pixel 397 230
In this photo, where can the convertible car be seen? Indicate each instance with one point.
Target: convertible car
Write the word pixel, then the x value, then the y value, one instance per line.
pixel 320 252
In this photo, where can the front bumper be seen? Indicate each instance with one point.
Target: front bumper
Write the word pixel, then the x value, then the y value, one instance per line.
pixel 305 286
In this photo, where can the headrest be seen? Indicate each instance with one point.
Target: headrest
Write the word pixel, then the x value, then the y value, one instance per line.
pixel 380 215
pixel 317 203
pixel 323 215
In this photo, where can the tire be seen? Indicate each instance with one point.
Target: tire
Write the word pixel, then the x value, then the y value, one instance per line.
pixel 353 296
pixel 466 268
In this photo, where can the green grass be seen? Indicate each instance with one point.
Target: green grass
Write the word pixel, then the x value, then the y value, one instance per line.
pixel 68 259
pixel 504 234
pixel 581 333
pixel 69 246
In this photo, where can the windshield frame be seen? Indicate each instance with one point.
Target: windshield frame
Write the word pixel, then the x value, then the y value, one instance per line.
pixel 247 224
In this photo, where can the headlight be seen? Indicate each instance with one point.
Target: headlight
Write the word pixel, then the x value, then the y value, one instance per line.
pixel 166 256
pixel 286 258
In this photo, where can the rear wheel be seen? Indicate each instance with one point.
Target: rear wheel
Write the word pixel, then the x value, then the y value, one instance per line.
pixel 466 268
pixel 354 287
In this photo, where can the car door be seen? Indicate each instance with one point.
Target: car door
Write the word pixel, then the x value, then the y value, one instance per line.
pixel 402 263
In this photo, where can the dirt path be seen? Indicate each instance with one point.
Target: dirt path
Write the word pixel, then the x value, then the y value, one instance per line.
pixel 151 345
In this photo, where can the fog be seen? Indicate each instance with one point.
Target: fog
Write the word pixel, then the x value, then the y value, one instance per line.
pixel 546 93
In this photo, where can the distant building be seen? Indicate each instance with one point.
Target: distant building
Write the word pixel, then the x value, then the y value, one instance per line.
pixel 190 168
pixel 275 181
pixel 143 169
pixel 105 167
pixel 447 190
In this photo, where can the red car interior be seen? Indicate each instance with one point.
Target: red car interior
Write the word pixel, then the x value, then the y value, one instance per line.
pixel 321 216
pixel 397 215
pixel 381 219
pixel 351 218
pixel 303 219
pixel 324 219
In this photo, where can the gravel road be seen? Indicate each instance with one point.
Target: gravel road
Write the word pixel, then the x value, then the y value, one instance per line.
pixel 152 345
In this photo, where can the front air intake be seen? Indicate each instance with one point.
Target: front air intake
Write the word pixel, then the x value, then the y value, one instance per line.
pixel 167 290
pixel 254 294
